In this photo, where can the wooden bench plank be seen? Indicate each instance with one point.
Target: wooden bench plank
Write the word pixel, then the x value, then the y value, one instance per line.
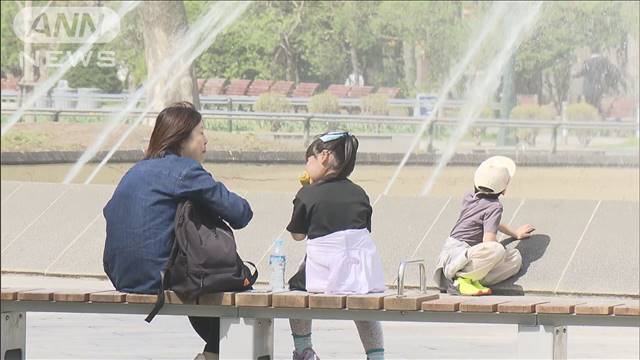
pixel 411 301
pixel 290 299
pixel 485 304
pixel 141 298
pixel 628 309
pixel 11 293
pixel 254 298
pixel 444 304
pixel 109 296
pixel 171 297
pixel 227 298
pixel 373 301
pixel 521 306
pixel 325 301
pixel 603 307
pixel 72 295
pixel 36 295
pixel 559 306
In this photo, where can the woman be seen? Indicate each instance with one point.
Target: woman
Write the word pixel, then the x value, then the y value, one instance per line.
pixel 140 215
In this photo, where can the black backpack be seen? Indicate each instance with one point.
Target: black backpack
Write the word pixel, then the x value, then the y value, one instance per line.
pixel 203 258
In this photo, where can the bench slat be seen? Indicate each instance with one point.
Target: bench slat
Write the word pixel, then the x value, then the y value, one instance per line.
pixel 10 293
pixel 224 298
pixel 483 304
pixel 628 309
pixel 367 301
pixel 521 306
pixel 559 306
pixel 597 307
pixel 254 298
pixel 109 296
pixel 72 295
pixel 290 299
pixel 323 301
pixel 445 304
pixel 411 301
pixel 141 298
pixel 36 295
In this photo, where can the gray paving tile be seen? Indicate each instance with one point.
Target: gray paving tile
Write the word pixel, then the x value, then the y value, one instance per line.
pixel 608 258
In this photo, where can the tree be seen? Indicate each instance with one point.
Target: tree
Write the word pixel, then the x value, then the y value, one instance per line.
pixel 544 60
pixel 164 24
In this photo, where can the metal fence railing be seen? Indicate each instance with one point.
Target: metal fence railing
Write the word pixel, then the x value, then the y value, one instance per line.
pixel 227 121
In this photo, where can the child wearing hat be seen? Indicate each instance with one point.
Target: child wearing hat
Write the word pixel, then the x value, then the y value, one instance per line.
pixel 472 258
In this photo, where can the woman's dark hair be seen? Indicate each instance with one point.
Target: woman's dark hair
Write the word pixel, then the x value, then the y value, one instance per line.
pixel 173 126
pixel 344 149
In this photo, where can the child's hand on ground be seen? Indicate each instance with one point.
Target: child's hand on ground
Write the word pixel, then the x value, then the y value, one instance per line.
pixel 524 231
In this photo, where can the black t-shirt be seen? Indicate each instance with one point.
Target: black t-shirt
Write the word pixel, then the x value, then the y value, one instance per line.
pixel 327 207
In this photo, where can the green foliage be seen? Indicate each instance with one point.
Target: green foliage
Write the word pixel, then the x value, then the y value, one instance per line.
pixel 270 102
pixel 10 46
pixel 324 103
pixel 375 104
pixel 531 112
pixel 582 112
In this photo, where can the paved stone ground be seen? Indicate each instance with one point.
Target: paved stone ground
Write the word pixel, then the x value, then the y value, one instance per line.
pixel 94 336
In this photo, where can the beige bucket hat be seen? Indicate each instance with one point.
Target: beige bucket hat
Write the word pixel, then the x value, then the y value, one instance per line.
pixel 493 175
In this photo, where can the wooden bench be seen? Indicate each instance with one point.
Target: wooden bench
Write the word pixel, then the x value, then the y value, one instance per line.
pixel 246 318
pixel 259 87
pixel 282 87
pixel 360 91
pixel 392 92
pixel 305 90
pixel 542 321
pixel 340 91
pixel 210 87
pixel 237 87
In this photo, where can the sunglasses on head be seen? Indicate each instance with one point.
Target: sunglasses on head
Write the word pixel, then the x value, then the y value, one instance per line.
pixel 333 135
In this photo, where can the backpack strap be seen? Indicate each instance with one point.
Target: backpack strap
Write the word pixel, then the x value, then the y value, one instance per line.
pixel 254 275
pixel 159 302
pixel 164 285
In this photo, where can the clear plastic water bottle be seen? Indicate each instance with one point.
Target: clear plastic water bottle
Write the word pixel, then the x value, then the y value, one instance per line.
pixel 277 263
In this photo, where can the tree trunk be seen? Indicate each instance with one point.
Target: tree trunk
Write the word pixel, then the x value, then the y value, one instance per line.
pixel 165 22
pixel 409 58
pixel 355 65
pixel 421 67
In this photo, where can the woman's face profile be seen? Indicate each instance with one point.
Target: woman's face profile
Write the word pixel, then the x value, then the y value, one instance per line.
pixel 196 145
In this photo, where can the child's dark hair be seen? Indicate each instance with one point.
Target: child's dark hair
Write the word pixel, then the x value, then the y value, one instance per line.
pixel 344 149
pixel 480 192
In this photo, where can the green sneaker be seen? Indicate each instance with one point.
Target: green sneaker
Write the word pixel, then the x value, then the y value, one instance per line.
pixel 485 290
pixel 467 288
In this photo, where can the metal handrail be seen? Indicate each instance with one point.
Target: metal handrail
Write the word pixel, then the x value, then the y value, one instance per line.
pixel 338 118
pixel 423 275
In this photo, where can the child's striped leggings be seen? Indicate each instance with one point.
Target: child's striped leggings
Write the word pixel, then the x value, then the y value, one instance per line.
pixel 370 333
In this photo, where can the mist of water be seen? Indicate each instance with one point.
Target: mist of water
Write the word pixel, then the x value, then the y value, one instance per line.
pixel 526 14
pixel 495 13
pixel 193 43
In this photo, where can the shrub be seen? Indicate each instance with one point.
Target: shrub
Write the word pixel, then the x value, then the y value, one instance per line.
pixel 324 103
pixel 375 104
pixel 273 103
pixel 531 112
pixel 582 112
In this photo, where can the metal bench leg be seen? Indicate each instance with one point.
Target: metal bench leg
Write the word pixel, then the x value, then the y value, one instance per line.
pixel 542 342
pixel 245 338
pixel 14 334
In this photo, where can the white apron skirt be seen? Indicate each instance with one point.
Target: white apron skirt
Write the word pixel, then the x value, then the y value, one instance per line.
pixel 344 262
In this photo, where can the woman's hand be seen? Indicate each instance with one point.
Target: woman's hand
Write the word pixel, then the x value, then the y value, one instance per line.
pixel 524 231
